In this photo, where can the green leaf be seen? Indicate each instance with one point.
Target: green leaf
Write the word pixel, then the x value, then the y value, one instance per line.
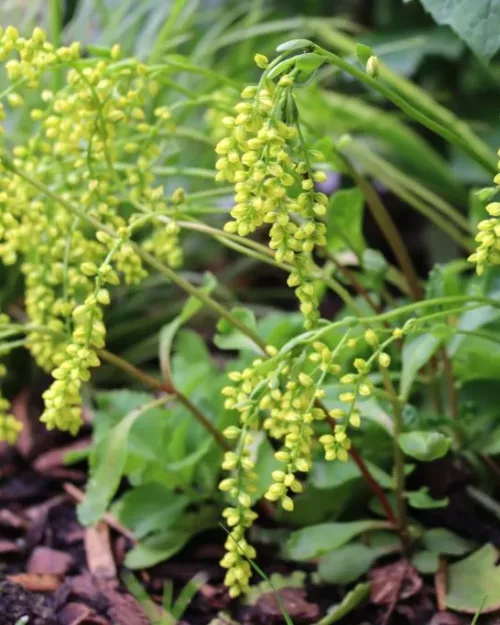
pixel 347 564
pixel 157 548
pixel 444 541
pixel 424 446
pixel 349 603
pixel 168 332
pixel 363 53
pixel 150 508
pixel 333 474
pixel 416 352
pixel 474 22
pixel 229 337
pixel 317 540
pixel 105 476
pixel 422 500
pixel 345 221
pixel 474 583
pixel 427 562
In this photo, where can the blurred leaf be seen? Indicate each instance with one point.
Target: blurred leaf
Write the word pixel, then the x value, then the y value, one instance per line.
pixel 349 603
pixel 229 337
pixel 472 21
pixel 345 221
pixel 150 508
pixel 474 583
pixel 417 351
pixel 333 474
pixel 157 548
pixel 317 540
pixel 427 562
pixel 442 540
pixel 422 500
pixel 349 563
pixel 424 446
pixel 107 468
pixel 476 359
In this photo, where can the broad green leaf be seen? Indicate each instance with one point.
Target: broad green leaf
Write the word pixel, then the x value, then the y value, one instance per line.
pixel 333 474
pixel 349 603
pixel 474 582
pixel 424 446
pixel 347 564
pixel 229 337
pixel 106 474
pixel 427 562
pixel 477 359
pixel 317 540
pixel 417 351
pixel 344 221
pixel 442 540
pixel 150 508
pixel 168 332
pixel 474 22
pixel 422 500
pixel 277 582
pixel 157 548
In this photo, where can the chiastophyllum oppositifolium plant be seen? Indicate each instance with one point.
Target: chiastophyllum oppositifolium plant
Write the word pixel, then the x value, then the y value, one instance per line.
pixel 83 210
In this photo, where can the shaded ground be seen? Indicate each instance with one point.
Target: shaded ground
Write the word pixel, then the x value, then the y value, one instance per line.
pixel 54 571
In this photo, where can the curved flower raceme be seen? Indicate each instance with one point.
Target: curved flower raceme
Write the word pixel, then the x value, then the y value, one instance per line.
pixel 264 157
pixel 282 396
pixel 94 142
pixel 488 237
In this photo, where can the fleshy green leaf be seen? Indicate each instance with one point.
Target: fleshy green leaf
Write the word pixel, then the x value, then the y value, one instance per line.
pixel 474 582
pixel 317 540
pixel 150 508
pixel 345 221
pixel 417 351
pixel 472 21
pixel 347 564
pixel 349 603
pixel 157 548
pixel 229 337
pixel 422 500
pixel 424 446
pixel 442 540
pixel 427 562
pixel 105 477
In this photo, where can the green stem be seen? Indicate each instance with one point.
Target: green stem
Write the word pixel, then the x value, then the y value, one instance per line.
pixel 55 34
pixel 399 462
pixel 424 117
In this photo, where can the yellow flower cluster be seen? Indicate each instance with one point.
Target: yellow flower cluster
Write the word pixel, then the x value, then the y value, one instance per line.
pixel 272 186
pixel 488 236
pixel 282 396
pixel 10 427
pixel 94 142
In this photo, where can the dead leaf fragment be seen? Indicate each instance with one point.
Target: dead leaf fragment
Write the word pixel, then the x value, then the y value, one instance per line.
pixel 294 602
pixel 36 582
pixel 395 581
pixel 47 560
